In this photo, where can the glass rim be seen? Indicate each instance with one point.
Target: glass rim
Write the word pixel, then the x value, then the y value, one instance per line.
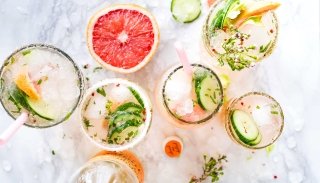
pixel 178 67
pixel 148 106
pixel 206 40
pixel 228 122
pixel 64 54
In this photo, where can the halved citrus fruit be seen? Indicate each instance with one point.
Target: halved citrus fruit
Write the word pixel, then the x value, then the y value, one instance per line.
pixel 123 37
pixel 25 84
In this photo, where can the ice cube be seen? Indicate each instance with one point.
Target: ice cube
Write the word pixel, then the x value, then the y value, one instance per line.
pixel 178 87
pixel 262 116
pixel 186 107
pixel 119 93
pixel 6 165
pixel 96 108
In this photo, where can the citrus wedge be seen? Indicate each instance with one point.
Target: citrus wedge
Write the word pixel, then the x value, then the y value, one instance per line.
pixel 123 37
pixel 25 84
pixel 255 9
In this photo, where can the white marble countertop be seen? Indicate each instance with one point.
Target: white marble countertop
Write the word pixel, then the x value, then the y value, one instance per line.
pixel 291 75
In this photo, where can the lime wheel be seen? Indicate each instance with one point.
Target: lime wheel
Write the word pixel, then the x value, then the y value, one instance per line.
pixel 123 37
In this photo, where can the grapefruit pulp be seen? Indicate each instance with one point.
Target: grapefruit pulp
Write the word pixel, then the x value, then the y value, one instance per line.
pixel 123 37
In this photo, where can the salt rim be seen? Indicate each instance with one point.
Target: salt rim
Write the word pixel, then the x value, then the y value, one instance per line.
pixel 107 9
pixel 147 122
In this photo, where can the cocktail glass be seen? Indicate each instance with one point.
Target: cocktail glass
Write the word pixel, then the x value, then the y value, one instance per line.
pixel 264 110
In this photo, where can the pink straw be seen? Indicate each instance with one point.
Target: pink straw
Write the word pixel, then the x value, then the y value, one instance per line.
pixel 11 130
pixel 183 58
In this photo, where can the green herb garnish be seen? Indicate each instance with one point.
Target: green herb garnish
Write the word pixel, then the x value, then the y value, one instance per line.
pixel 53 153
pixel 87 124
pixel 236 55
pixel 212 168
pixel 101 91
pixel 108 106
pixel 96 69
pixel 26 52
pixel 258 107
pixel 39 82
pixel 263 49
pixel 274 112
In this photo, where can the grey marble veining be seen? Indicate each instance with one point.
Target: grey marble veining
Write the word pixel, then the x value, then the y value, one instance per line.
pixel 291 75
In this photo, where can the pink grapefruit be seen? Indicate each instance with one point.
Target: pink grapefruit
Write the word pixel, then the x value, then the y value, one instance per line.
pixel 123 37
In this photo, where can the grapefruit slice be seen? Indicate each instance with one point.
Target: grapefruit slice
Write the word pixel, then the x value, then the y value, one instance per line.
pixel 123 37
pixel 255 9
pixel 25 84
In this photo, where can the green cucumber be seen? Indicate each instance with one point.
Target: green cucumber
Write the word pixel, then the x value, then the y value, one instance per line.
pixel 120 118
pixel 220 17
pixel 185 11
pixel 137 96
pixel 125 132
pixel 256 141
pixel 244 126
pixel 205 91
pixel 130 107
pixel 35 107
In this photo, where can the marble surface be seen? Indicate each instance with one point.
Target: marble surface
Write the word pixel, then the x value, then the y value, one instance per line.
pixel 291 75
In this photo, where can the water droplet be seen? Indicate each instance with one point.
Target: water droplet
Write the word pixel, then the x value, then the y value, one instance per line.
pixel 6 165
pixel 291 142
pixel 296 176
pixel 298 124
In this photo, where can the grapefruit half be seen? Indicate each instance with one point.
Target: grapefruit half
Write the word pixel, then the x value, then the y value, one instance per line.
pixel 123 37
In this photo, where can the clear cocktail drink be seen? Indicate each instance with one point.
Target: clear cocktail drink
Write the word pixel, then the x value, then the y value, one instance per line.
pixel 116 114
pixel 42 81
pixel 189 100
pixel 254 120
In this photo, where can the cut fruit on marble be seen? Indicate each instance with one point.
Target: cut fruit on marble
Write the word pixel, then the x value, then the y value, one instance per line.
pixel 123 38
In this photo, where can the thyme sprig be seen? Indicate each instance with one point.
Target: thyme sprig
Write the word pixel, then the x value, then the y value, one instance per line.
pixel 212 168
pixel 237 55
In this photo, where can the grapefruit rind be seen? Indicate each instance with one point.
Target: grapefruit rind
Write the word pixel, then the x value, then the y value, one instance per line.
pixel 104 11
pixel 25 84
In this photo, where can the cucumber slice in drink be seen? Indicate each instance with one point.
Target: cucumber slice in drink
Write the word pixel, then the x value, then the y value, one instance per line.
pixel 124 132
pixel 130 107
pixel 137 96
pixel 205 91
pixel 244 126
pixel 122 117
pixel 185 11
pixel 35 107
pixel 256 141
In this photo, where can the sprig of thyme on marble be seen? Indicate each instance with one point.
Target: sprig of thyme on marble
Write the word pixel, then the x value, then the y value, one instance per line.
pixel 236 55
pixel 212 168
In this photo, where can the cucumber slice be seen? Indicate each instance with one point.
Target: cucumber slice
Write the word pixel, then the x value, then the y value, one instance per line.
pixel 218 21
pixel 185 11
pixel 256 141
pixel 137 96
pixel 129 107
pixel 244 126
pixel 34 107
pixel 122 117
pixel 124 132
pixel 39 108
pixel 205 91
